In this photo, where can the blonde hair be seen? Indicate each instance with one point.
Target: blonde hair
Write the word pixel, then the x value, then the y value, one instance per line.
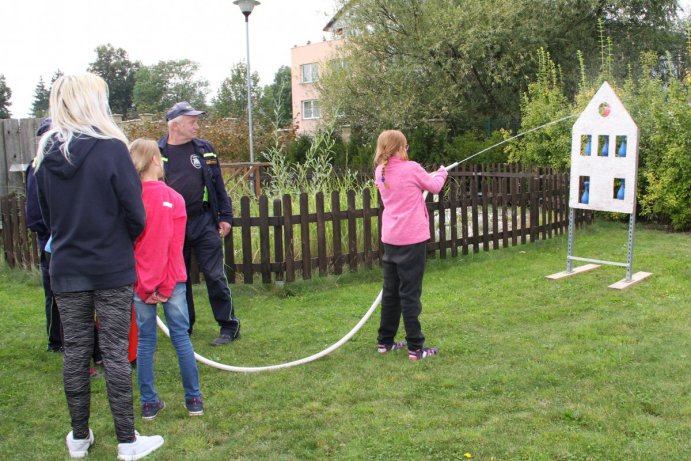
pixel 143 151
pixel 78 106
pixel 389 143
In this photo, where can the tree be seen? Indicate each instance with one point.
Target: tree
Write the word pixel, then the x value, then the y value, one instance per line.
pixel 467 60
pixel 39 108
pixel 276 103
pixel 119 73
pixel 231 98
pixel 161 85
pixel 58 73
pixel 5 95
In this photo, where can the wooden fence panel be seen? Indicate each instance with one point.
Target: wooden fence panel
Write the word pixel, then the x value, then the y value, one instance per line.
pixel 463 191
pixel 13 155
pixel 4 166
pixel 367 228
pixel 288 238
pixel 229 257
pixel 264 239
pixel 321 235
pixel 245 225
pixel 305 236
pixel 8 241
pixel 544 186
pixel 504 211
pixel 513 186
pixel 474 210
pixel 485 214
pixel 352 232
pixel 431 245
pixel 535 209
pixel 523 200
pixel 441 225
pixel 278 241
pixel 453 217
pixel 495 213
pixel 337 248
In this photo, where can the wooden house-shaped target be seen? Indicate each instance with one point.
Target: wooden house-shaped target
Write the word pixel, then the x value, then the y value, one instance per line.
pixel 604 156
pixel 604 167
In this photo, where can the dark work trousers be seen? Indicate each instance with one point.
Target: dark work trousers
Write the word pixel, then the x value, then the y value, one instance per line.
pixel 53 325
pixel 403 267
pixel 114 310
pixel 202 238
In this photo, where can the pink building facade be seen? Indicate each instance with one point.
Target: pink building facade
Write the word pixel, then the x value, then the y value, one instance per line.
pixel 307 63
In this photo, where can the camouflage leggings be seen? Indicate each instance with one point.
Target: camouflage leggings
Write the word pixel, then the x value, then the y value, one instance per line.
pixel 113 308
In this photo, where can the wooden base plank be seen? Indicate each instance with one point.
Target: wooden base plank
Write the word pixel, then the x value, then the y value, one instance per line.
pixel 576 270
pixel 635 278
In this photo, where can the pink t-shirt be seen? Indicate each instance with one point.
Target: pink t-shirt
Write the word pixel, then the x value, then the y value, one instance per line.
pixel 158 250
pixel 405 220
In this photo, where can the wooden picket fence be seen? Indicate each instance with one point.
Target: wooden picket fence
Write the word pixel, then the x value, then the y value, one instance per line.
pixel 287 239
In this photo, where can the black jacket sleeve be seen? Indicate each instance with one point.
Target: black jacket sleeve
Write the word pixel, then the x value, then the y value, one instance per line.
pixel 34 219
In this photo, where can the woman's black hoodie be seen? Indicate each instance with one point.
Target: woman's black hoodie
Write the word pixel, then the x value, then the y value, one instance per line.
pixel 92 205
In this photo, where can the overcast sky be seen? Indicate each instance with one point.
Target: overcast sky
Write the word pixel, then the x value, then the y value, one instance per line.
pixel 41 36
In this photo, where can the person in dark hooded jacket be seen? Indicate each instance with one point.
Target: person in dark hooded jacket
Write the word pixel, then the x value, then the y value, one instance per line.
pixel 90 198
pixel 34 222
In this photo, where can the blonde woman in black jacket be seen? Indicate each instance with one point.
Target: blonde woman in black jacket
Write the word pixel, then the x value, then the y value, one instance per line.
pixel 90 199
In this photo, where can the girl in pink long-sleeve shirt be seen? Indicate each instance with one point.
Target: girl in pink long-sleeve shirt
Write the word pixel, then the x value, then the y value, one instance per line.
pixel 161 277
pixel 405 231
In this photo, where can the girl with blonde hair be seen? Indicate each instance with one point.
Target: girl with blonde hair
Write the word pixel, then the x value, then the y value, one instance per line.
pixel 405 231
pixel 90 199
pixel 161 278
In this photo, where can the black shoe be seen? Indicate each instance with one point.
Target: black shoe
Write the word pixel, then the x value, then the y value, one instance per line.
pixel 55 349
pixel 224 339
pixel 150 410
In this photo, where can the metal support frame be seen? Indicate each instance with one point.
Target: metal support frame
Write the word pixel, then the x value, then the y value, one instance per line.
pixel 629 259
pixel 570 258
pixel 569 253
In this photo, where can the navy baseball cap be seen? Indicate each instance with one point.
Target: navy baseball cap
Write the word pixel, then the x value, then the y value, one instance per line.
pixel 43 127
pixel 182 108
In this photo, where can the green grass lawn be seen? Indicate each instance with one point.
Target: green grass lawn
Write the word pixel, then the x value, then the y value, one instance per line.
pixel 529 369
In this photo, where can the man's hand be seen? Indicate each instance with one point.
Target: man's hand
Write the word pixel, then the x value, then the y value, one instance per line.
pixel 223 228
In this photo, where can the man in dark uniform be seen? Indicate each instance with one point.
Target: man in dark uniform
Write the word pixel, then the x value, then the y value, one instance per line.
pixel 192 169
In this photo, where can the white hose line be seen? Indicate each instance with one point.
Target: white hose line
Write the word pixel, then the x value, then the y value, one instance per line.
pixel 367 315
pixel 454 165
pixel 311 358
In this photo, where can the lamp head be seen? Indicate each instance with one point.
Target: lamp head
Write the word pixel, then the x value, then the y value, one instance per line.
pixel 246 6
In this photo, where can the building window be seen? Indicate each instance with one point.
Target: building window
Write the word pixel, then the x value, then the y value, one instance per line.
pixel 310 109
pixel 310 72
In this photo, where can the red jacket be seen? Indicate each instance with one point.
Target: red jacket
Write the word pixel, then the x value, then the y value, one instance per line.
pixel 158 250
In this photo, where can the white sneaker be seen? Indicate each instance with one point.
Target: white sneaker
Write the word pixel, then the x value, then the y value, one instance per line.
pixel 78 448
pixel 142 446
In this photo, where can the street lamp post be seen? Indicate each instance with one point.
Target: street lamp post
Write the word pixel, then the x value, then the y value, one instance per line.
pixel 246 6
